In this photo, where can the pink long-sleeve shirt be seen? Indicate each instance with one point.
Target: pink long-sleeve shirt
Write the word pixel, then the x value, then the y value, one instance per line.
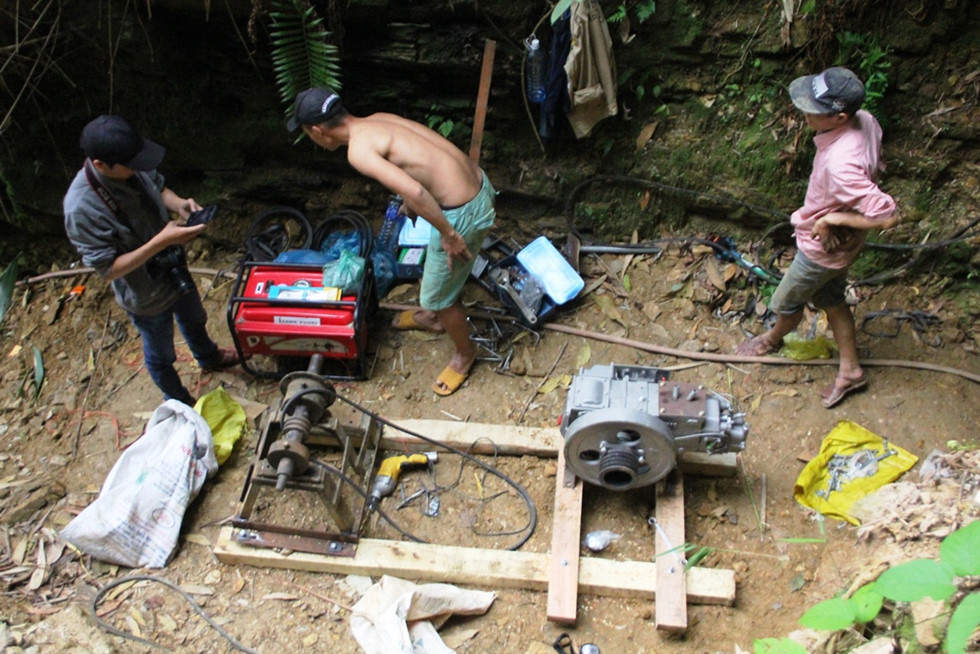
pixel 844 176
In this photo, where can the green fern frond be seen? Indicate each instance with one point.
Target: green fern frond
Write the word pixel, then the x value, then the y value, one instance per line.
pixel 302 56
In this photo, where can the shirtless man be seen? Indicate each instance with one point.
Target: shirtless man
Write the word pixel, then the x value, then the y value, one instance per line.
pixel 436 181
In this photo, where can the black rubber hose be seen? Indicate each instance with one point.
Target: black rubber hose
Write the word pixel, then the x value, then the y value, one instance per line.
pixel 336 222
pixel 264 240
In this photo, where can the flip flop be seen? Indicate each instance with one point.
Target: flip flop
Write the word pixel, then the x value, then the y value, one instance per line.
pixel 833 394
pixel 406 321
pixel 757 347
pixel 451 379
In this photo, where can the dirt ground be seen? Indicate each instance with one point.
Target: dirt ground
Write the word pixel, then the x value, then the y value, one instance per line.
pixel 96 399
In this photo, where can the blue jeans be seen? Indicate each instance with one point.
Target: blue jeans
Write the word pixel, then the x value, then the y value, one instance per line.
pixel 159 354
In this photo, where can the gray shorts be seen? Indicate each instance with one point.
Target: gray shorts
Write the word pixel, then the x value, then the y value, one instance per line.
pixel 806 282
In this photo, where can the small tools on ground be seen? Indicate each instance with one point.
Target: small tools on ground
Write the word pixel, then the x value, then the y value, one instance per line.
pixel 844 468
pixel 391 468
pixel 565 641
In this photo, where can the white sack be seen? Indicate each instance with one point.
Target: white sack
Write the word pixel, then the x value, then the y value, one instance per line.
pixel 135 520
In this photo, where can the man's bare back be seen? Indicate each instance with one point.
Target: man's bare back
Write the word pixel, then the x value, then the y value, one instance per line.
pixel 451 177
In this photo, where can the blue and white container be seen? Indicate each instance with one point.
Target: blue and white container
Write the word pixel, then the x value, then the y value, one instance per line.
pixel 555 275
pixel 414 234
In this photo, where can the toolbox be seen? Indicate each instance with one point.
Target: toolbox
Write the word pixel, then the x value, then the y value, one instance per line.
pixel 532 282
pixel 283 311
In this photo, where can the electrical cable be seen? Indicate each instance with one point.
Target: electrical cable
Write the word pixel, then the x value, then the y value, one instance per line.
pixel 483 501
pixel 763 271
pixel 532 510
pixel 920 321
pixel 93 606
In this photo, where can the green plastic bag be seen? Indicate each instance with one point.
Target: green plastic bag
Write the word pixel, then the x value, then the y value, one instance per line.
pixel 345 273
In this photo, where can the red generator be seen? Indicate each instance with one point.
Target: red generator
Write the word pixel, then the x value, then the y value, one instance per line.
pixel 283 312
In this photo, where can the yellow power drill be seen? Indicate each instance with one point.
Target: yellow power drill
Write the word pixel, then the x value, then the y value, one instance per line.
pixel 387 478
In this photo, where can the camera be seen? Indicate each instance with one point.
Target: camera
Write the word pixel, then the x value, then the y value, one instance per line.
pixel 171 264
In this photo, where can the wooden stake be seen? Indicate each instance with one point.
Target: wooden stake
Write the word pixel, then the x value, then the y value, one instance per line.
pixel 483 95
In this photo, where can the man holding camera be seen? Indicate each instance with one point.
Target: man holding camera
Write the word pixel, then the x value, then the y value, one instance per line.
pixel 117 215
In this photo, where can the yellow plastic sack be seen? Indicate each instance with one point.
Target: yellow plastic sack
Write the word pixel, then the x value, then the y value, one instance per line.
pixel 857 456
pixel 226 417
pixel 799 349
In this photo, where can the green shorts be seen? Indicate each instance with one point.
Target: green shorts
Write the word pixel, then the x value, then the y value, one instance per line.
pixel 440 287
pixel 806 282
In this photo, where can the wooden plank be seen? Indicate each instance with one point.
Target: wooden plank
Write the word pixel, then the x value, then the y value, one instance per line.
pixel 482 567
pixel 671 605
pixel 565 537
pixel 506 439
pixel 522 440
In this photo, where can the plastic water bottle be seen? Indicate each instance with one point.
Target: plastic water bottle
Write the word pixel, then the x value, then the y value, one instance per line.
pixel 388 238
pixel 383 257
pixel 536 72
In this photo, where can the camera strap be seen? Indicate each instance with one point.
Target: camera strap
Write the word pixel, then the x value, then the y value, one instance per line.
pixel 106 196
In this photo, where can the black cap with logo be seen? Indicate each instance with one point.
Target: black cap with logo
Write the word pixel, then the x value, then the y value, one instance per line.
pixel 314 106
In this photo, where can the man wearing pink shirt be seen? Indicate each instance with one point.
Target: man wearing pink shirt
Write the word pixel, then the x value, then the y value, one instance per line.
pixel 842 203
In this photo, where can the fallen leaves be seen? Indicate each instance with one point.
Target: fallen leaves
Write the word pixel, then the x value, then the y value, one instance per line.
pixel 606 305
pixel 554 382
pixel 644 137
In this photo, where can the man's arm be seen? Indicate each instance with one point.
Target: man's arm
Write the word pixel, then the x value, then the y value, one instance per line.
pixel 827 229
pixel 858 220
pixel 178 205
pixel 171 234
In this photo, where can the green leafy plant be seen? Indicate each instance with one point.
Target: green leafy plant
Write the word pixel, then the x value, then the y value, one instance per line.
pixel 302 57
pixel 872 66
pixel 945 579
pixel 642 9
pixel 436 121
pixel 7 280
pixel 37 381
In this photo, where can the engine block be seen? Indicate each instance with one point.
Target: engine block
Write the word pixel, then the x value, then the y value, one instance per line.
pixel 624 426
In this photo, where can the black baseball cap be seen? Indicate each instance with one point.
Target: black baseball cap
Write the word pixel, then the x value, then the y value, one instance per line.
pixel 113 140
pixel 314 106
pixel 833 91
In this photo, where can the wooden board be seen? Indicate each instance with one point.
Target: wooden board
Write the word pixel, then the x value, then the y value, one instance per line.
pixel 565 543
pixel 563 573
pixel 671 606
pixel 522 440
pixel 424 562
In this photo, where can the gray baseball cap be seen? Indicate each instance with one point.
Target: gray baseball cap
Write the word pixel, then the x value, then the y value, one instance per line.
pixel 833 91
